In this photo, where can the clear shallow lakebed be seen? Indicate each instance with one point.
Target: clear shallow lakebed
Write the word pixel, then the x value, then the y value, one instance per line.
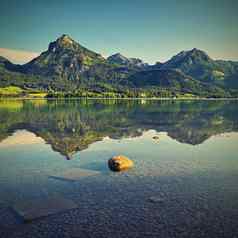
pixel 183 184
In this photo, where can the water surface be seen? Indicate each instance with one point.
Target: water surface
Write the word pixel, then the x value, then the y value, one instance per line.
pixel 183 185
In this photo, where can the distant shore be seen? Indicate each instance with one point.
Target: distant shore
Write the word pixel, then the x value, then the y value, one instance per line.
pixel 107 98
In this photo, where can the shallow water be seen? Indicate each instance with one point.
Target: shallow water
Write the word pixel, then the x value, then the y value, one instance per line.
pixel 182 185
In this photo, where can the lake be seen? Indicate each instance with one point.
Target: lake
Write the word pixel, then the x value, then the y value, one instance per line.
pixel 55 180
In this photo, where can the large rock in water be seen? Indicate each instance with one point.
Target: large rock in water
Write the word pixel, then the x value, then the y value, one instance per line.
pixel 120 163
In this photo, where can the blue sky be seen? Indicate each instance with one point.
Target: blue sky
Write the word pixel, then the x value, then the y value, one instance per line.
pixel 153 30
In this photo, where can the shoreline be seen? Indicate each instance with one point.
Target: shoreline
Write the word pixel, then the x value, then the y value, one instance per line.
pixel 103 98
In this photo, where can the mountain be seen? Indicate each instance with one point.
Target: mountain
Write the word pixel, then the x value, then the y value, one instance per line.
pixel 197 64
pixel 230 70
pixel 4 61
pixel 118 59
pixel 121 60
pixel 11 75
pixel 7 65
pixel 64 59
pixel 71 65
pixel 67 68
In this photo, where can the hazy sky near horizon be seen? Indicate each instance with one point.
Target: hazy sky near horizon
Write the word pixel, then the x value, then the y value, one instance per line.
pixel 153 30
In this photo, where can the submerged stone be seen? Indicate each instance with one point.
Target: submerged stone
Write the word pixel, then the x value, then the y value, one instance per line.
pixel 75 174
pixel 38 208
pixel 156 199
pixel 120 163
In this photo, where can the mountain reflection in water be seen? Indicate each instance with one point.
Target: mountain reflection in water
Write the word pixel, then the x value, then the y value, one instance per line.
pixel 72 125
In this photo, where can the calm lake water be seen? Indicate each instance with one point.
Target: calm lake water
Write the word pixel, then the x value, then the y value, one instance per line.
pixel 184 184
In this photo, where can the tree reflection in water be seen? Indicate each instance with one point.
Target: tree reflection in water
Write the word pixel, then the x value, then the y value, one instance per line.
pixel 72 125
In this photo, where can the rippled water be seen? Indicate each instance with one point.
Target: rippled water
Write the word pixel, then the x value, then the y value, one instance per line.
pixel 183 184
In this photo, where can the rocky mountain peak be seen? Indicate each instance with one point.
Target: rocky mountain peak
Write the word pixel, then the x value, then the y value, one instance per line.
pixel 63 42
pixel 120 59
pixel 65 59
pixel 198 53
pixel 190 57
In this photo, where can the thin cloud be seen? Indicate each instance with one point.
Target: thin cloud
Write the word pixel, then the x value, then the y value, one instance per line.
pixel 18 56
